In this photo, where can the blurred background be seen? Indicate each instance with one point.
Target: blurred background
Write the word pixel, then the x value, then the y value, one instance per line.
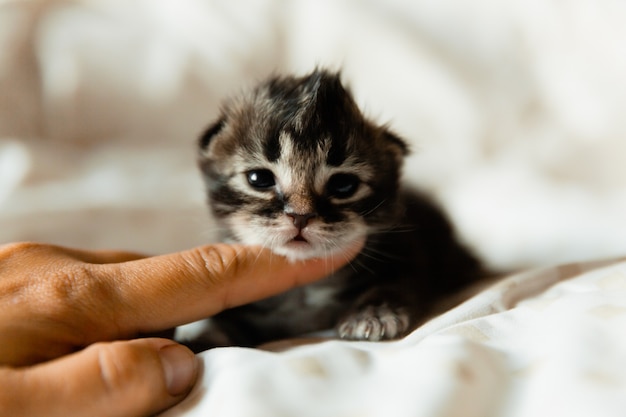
pixel 515 110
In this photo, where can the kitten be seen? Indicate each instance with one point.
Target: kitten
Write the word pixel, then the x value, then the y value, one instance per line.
pixel 295 166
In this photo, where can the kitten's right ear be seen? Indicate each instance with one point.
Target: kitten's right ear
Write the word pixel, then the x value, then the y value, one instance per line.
pixel 210 133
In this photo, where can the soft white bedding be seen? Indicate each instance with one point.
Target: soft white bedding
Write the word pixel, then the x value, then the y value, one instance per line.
pixel 547 342
pixel 515 113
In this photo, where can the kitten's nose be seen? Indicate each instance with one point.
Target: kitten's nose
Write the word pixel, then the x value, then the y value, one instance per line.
pixel 301 220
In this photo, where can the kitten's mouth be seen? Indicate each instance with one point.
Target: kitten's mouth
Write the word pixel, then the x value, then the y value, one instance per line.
pixel 298 246
pixel 299 238
pixel 301 246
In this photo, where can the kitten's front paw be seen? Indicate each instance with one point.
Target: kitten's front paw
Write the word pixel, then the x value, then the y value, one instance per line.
pixel 374 323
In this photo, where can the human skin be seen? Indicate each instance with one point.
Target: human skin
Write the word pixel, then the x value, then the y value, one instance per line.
pixel 71 321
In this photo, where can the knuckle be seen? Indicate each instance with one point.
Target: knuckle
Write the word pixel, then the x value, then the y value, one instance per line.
pixel 80 284
pixel 17 251
pixel 17 246
pixel 222 264
pixel 74 295
pixel 218 261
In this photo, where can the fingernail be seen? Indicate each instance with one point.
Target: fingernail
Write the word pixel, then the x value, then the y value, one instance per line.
pixel 180 366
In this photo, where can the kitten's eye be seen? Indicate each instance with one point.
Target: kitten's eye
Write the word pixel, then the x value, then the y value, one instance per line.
pixel 342 185
pixel 261 179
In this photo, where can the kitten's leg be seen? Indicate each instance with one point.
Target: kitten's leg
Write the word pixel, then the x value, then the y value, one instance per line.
pixel 378 315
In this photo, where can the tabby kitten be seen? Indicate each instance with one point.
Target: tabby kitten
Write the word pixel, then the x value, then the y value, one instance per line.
pixel 294 166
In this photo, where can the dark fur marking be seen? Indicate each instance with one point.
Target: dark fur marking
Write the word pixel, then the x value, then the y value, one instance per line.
pixel 227 195
pixel 271 209
pixel 271 148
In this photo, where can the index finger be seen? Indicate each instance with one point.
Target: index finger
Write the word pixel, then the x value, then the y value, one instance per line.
pixel 156 293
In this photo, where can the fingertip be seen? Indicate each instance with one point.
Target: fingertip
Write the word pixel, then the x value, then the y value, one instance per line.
pixel 180 368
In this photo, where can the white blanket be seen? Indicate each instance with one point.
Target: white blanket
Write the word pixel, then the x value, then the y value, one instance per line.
pixel 515 113
pixel 548 342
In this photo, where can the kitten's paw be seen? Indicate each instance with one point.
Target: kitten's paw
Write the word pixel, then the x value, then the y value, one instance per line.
pixel 374 323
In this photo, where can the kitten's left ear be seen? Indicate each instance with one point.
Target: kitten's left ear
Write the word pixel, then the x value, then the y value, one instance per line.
pixel 400 145
pixel 210 133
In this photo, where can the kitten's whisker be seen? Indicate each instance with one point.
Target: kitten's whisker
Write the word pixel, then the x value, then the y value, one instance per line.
pixel 393 231
pixel 375 258
pixel 343 253
pixel 237 255
pixel 270 243
pixel 382 255
pixel 258 256
pixel 332 257
pixel 396 228
pixel 361 264
pixel 215 233
pixel 370 211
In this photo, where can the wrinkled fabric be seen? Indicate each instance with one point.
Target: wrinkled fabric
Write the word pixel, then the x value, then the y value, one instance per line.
pixel 544 342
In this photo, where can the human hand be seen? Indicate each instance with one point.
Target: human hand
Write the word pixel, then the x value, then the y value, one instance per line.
pixel 56 301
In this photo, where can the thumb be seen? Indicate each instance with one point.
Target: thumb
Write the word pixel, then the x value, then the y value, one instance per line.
pixel 129 378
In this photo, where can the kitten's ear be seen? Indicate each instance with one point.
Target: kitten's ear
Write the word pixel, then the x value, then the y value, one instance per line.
pixel 210 133
pixel 394 140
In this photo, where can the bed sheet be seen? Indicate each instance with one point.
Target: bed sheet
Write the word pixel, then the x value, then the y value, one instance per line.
pixel 546 342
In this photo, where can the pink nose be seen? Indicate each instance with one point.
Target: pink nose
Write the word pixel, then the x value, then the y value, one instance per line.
pixel 301 220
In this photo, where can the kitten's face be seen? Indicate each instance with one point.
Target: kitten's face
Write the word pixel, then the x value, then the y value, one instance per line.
pixel 295 167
